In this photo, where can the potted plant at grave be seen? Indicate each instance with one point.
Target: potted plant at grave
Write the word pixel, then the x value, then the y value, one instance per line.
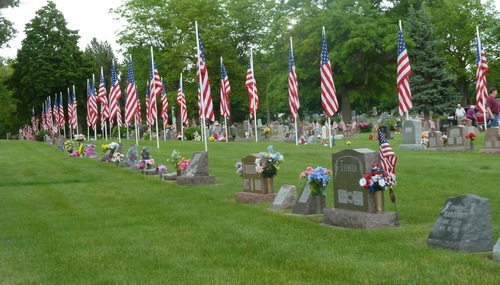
pixel 318 179
pixel 377 180
pixel 471 136
pixel 268 164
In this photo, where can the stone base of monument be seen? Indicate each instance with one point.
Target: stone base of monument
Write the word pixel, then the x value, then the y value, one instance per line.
pixel 149 171
pixel 457 148
pixel 360 220
pixel 254 198
pixel 411 147
pixel 195 180
pixel 491 150
pixel 168 176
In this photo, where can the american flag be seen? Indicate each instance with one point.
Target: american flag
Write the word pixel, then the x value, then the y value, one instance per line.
pixel 225 89
pixel 55 112
pixel 293 86
pixel 70 111
pixel 404 71
pixel 138 116
pixel 114 94
pixel 48 117
pixel 387 156
pixel 131 101
pixel 181 101
pixel 155 90
pixel 103 98
pixel 44 120
pixel 149 117
pixel 481 71
pixel 328 92
pixel 205 97
pixel 62 118
pixel 251 86
pixel 33 121
pixel 74 122
pixel 91 106
pixel 164 105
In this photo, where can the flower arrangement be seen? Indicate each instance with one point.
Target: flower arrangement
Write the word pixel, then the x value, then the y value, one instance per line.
pixel 90 151
pixel 175 158
pixel 161 169
pixel 348 143
pixel 211 139
pixel 269 162
pixel 267 130
pixel 79 137
pixel 239 168
pixel 425 140
pixel 377 179
pixel 471 136
pixel 365 127
pixel 317 178
pixel 183 164
pixel 146 164
pixel 444 139
pixel 117 157
pixel 68 146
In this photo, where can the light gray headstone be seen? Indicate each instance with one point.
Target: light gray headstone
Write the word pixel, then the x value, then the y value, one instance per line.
pixel 412 135
pixel 285 199
pixel 496 251
pixel 464 224
pixel 311 140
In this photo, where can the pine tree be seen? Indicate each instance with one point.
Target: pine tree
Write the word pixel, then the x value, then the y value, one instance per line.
pixel 431 82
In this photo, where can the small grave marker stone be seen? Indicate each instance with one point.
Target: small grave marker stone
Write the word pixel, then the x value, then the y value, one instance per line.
pixel 285 199
pixel 464 224
pixel 309 204
pixel 197 172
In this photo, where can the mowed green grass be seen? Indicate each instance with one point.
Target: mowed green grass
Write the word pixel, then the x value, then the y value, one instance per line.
pixel 67 220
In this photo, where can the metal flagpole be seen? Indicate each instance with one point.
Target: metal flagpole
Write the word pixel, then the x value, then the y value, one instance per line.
pixel 330 131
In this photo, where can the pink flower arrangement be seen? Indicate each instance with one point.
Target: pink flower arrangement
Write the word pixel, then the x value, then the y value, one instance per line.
pixel 183 164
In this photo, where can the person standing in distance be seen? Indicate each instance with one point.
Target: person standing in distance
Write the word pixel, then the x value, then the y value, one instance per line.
pixel 492 107
pixel 459 114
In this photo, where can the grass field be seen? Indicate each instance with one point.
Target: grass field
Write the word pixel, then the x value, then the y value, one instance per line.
pixel 78 221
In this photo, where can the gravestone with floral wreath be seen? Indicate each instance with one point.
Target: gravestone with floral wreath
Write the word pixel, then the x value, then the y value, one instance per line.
pixel 109 150
pixel 197 172
pixel 312 198
pixel 354 205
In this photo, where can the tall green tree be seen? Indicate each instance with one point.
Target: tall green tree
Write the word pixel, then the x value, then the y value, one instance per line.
pixel 48 62
pixel 6 27
pixel 432 84
pixel 7 103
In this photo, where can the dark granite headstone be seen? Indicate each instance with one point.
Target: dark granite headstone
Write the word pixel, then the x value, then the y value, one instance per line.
pixel 285 199
pixel 256 188
pixel 464 224
pixel 197 172
pixel 386 130
pixel 355 205
pixel 309 204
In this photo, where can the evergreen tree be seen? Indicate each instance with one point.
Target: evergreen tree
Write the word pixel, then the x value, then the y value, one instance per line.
pixel 48 62
pixel 431 82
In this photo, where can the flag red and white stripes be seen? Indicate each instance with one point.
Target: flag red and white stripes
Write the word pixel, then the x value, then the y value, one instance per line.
pixel 62 117
pixel 154 92
pixel 70 111
pixel 403 73
pixel 481 71
pixel 387 156
pixel 293 85
pixel 131 101
pixel 181 101
pixel 205 95
pixel 92 112
pixel 251 86
pixel 225 89
pixel 328 92
pixel 164 105
pixel 149 116
pixel 114 94
pixel 103 98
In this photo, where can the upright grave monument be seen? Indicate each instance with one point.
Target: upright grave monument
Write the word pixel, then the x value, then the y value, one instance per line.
pixel 354 206
pixel 456 138
pixel 256 188
pixel 492 141
pixel 464 224
pixel 412 135
pixel 435 140
pixel 197 172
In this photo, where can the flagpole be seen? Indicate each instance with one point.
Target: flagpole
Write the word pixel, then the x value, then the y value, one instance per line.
pixel 227 103
pixel 330 131
pixel 76 113
pixel 483 100
pixel 253 98
pixel 295 114
pixel 201 85
pixel 180 110
pixel 97 114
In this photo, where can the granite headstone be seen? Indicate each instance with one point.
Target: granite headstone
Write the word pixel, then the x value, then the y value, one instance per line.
pixel 464 224
pixel 285 199
pixel 197 172
pixel 309 204
pixel 412 135
pixel 456 138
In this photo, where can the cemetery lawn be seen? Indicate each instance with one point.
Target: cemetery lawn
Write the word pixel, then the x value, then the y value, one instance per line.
pixel 71 220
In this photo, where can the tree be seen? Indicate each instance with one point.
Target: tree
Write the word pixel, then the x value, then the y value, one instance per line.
pixel 6 29
pixel 48 62
pixel 7 103
pixel 431 81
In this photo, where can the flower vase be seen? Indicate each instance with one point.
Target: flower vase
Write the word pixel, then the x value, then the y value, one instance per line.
pixel 268 185
pixel 471 146
pixel 378 197
pixel 319 203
